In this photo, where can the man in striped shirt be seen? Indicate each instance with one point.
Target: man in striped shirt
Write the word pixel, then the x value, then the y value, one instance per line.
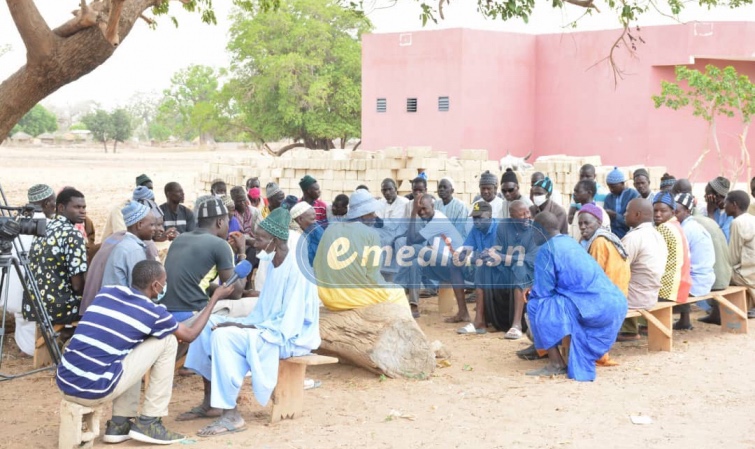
pixel 122 335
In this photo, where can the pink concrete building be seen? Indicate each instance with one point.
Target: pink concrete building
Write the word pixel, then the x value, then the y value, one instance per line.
pixel 461 88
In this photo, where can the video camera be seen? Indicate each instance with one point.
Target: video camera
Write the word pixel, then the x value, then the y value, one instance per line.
pixel 21 224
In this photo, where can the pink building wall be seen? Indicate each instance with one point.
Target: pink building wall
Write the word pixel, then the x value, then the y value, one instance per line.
pixel 521 92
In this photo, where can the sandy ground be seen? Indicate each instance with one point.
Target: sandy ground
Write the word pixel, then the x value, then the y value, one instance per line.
pixel 700 395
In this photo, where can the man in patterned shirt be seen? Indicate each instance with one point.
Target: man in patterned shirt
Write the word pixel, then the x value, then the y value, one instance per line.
pixel 676 280
pixel 59 260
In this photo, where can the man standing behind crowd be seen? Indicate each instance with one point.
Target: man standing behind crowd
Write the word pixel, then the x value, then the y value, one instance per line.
pixel 642 183
pixel 715 196
pixel 616 202
pixel 489 193
pixel 310 190
pixel 59 260
pixel 451 207
pixel 177 215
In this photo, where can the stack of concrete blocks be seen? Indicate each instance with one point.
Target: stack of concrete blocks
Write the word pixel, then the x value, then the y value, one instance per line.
pixel 340 171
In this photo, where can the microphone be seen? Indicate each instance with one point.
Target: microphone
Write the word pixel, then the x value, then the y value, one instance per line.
pixel 241 271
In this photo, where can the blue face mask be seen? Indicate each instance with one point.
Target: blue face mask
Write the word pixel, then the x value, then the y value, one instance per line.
pixel 161 295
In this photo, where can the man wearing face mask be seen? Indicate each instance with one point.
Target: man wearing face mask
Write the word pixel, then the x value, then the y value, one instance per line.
pixel 541 195
pixel 124 334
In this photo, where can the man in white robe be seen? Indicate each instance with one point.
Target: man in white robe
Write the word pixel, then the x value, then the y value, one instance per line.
pixel 283 324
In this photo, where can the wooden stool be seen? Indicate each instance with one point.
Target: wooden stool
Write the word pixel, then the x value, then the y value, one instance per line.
pixel 41 354
pixel 79 425
pixel 446 300
pixel 288 396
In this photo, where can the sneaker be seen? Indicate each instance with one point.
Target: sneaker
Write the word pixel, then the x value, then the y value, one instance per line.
pixel 117 433
pixel 154 432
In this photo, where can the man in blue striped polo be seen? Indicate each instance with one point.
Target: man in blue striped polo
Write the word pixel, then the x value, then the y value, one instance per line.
pixel 122 335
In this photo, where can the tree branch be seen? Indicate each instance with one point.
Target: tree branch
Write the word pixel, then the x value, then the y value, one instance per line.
pixel 86 16
pixel 114 16
pixel 149 21
pixel 33 29
pixel 588 4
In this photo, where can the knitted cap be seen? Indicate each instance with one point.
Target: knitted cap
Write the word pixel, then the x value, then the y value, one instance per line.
pixel 299 208
pixel 143 193
pixel 509 176
pixel 39 192
pixel 306 182
pixel 641 172
pixel 289 201
pixel 592 209
pixel 665 198
pixel 667 180
pixel 720 185
pixel 615 176
pixel 156 211
pixel 448 180
pixel 228 202
pixel 686 200
pixel 272 189
pixel 254 193
pixel 277 223
pixel 142 179
pixel 209 207
pixel 545 183
pixel 134 212
pixel 488 179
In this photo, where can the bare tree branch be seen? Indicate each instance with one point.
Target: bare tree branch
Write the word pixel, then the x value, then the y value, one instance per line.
pixel 114 16
pixel 618 72
pixel 33 29
pixel 149 21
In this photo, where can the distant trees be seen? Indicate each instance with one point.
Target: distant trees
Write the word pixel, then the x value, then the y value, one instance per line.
pixel 37 121
pixel 116 126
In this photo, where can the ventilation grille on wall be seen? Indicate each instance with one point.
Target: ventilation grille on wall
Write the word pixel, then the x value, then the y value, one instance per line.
pixel 411 105
pixel 443 104
pixel 382 105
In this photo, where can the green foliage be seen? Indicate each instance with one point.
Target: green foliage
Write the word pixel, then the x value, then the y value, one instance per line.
pixel 296 71
pixel 189 107
pixel 122 126
pixel 37 121
pixel 711 93
pixel 625 11
pixel 98 122
pixel 78 126
pixel 116 126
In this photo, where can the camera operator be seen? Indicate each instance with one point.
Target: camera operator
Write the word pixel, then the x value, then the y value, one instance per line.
pixel 42 197
pixel 59 260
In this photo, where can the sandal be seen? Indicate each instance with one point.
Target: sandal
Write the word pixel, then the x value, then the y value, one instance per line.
pixel 310 384
pixel 198 412
pixel 470 329
pixel 222 423
pixel 513 334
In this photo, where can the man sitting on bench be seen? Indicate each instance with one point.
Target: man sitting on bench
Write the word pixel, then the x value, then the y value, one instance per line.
pixel 122 335
pixel 742 243
pixel 283 324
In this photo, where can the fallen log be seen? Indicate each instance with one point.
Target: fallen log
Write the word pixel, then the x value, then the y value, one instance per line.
pixel 383 338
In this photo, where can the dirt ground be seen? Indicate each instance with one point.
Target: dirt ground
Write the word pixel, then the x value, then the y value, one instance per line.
pixel 700 395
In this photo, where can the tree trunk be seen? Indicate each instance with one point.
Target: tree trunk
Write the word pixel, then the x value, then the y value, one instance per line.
pixel 356 146
pixel 745 152
pixel 383 338
pixel 115 145
pixel 289 147
pixel 104 143
pixel 68 59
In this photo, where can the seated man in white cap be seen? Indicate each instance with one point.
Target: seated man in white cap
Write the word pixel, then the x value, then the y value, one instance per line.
pixel 119 253
pixel 349 258
pixel 284 323
pixel 303 215
pixel 42 197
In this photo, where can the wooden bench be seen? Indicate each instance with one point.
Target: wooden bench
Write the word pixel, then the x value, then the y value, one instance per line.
pixel 733 304
pixel 41 353
pixel 288 396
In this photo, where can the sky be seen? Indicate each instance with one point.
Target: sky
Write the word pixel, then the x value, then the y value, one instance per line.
pixel 146 59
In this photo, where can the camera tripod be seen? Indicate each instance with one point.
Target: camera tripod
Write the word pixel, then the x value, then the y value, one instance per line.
pixel 20 264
